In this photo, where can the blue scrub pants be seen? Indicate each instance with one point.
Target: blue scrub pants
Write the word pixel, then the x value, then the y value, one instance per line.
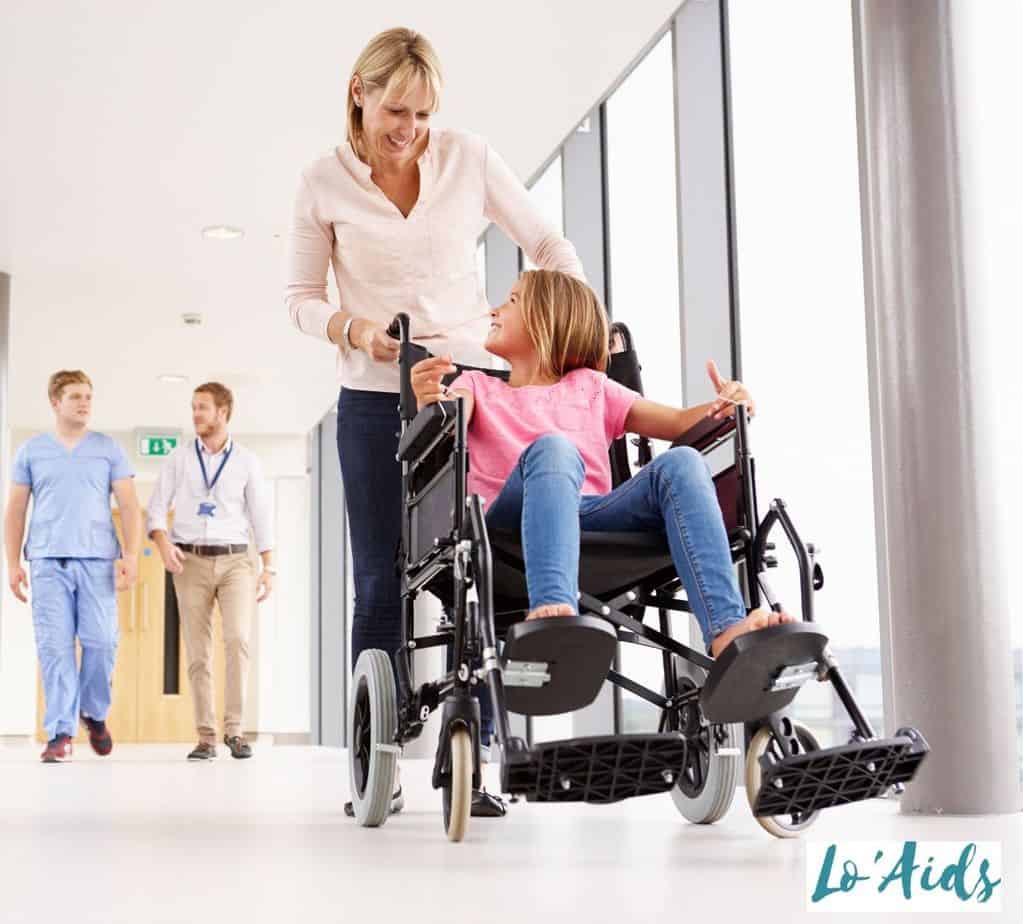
pixel 74 597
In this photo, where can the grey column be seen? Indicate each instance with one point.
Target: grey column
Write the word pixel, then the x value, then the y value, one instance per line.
pixel 945 616
pixel 585 200
pixel 503 265
pixel 5 339
pixel 704 195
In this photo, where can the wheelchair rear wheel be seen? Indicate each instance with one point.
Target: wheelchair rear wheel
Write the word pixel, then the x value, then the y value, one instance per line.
pixel 372 724
pixel 458 795
pixel 764 743
pixel 706 786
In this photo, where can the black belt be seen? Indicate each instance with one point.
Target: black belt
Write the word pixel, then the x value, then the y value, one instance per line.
pixel 208 551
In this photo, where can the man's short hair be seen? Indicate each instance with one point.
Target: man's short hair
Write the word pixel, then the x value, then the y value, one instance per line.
pixel 221 395
pixel 59 380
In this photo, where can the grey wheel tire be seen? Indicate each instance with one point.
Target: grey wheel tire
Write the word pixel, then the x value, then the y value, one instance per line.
pixel 783 826
pixel 707 800
pixel 372 724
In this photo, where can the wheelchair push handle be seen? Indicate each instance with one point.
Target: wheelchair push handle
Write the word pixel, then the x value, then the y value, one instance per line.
pixel 408 355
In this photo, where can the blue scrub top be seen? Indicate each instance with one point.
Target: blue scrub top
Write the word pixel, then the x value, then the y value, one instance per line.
pixel 71 495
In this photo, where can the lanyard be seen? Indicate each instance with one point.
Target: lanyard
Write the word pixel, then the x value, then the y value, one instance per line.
pixel 210 485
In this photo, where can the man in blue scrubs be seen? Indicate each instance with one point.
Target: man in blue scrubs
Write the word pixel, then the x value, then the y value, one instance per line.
pixel 75 560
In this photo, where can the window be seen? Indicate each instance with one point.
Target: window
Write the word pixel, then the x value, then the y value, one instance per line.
pixel 643 238
pixel 803 322
pixel 547 192
pixel 548 195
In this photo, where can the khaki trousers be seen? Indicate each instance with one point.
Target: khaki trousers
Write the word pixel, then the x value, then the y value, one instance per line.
pixel 229 580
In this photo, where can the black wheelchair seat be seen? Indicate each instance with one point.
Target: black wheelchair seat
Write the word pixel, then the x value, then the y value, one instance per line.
pixel 609 563
pixel 761 672
pixel 556 664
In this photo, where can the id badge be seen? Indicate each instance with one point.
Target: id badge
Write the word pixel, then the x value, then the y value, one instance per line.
pixel 207 509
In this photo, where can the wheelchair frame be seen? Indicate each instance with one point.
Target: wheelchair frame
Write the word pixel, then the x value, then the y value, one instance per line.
pixel 751 682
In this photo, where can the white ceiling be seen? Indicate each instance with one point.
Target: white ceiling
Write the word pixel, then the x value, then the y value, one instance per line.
pixel 127 127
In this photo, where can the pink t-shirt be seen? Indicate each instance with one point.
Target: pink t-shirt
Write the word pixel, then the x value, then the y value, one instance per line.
pixel 585 406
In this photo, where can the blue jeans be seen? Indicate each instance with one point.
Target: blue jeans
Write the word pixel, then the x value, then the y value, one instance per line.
pixel 673 494
pixel 368 427
pixel 74 597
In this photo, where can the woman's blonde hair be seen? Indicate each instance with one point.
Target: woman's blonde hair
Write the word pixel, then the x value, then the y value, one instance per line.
pixel 566 322
pixel 393 61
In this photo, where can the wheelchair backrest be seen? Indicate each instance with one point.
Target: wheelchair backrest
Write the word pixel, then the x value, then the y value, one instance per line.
pixel 625 369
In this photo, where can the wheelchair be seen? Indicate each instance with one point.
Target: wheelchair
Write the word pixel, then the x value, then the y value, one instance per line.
pixel 720 719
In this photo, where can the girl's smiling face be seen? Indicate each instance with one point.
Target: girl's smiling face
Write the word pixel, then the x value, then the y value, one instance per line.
pixel 508 337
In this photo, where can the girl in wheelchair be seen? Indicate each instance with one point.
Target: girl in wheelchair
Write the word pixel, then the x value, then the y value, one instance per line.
pixel 539 448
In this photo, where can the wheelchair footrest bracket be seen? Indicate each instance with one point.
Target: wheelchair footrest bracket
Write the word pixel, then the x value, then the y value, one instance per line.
pixel 526 673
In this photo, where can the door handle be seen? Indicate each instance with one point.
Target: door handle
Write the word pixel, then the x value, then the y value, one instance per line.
pixel 145 607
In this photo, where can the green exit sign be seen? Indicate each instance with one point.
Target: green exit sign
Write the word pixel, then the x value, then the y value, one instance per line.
pixel 156 444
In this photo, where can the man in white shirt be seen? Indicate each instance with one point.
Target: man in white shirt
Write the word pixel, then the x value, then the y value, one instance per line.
pixel 217 491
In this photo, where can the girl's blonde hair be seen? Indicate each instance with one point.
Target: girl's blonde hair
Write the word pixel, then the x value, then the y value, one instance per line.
pixel 566 322
pixel 393 61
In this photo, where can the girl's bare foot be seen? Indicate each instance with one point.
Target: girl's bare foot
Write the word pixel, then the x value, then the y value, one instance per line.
pixel 551 609
pixel 757 619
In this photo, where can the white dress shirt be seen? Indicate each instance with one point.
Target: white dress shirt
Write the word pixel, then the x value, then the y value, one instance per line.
pixel 241 496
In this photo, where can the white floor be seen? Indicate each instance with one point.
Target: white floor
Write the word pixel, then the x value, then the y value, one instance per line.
pixel 144 836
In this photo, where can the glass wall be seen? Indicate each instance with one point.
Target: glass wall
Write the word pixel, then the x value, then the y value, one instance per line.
pixel 643 256
pixel 548 195
pixel 803 324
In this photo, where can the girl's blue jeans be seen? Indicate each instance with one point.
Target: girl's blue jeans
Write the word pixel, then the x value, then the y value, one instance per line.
pixel 674 494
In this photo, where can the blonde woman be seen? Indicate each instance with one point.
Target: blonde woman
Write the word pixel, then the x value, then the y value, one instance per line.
pixel 396 211
pixel 539 446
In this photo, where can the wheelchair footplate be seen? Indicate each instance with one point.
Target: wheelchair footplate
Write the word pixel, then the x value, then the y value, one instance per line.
pixel 600 770
pixel 556 664
pixel 819 779
pixel 761 672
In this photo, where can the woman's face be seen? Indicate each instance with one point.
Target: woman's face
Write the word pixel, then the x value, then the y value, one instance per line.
pixel 508 337
pixel 394 129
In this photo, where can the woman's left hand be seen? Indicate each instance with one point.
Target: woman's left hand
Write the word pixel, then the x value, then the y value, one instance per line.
pixel 729 394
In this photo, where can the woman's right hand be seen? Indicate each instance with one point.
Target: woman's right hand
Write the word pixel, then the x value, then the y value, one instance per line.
pixel 426 379
pixel 374 341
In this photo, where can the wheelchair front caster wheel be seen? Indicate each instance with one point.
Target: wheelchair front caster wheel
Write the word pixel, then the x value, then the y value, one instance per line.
pixel 458 795
pixel 372 725
pixel 764 743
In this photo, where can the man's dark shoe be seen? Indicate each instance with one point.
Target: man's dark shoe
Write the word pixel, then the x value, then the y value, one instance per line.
pixel 99 736
pixel 203 751
pixel 238 746
pixel 58 750
pixel 486 805
pixel 397 804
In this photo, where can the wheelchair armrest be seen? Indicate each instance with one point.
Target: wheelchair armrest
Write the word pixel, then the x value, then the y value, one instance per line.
pixel 426 426
pixel 706 433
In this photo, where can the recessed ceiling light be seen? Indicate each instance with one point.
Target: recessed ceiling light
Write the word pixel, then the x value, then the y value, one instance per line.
pixel 172 378
pixel 221 232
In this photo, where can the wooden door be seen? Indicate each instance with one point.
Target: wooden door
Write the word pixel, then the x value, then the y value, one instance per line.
pixel 165 711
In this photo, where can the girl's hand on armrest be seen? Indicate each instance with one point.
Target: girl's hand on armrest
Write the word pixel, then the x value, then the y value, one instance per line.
pixel 729 393
pixel 426 379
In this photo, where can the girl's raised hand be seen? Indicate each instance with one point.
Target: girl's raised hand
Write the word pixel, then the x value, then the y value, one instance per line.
pixel 426 379
pixel 729 394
